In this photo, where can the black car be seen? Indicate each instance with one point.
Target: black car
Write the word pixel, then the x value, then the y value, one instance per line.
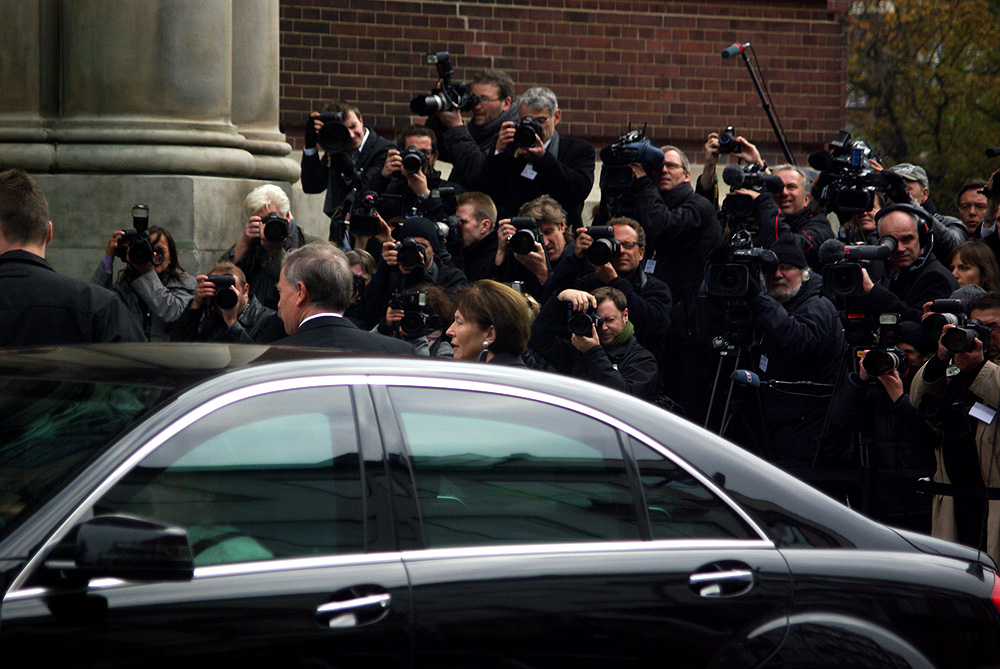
pixel 189 505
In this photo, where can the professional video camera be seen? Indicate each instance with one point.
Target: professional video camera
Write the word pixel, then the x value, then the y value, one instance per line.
pixel 886 355
pixel 732 279
pixel 605 245
pixel 848 183
pixel 632 147
pixel 134 246
pixel 364 220
pixel 581 322
pixel 842 265
pixel 523 241
pixel 727 141
pixel 452 96
pixel 738 208
pixel 225 297
pixel 415 321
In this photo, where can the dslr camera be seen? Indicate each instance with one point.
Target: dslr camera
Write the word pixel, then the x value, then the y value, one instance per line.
pixel 886 355
pixel 134 246
pixel 415 321
pixel 581 323
pixel 225 297
pixel 452 96
pixel 410 253
pixel 275 228
pixel 334 136
pixel 959 339
pixel 848 183
pixel 525 132
pixel 605 245
pixel 413 160
pixel 727 141
pixel 522 242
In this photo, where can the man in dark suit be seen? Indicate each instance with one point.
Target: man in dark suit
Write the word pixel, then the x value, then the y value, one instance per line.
pixel 315 288
pixel 39 307
pixel 343 168
pixel 555 165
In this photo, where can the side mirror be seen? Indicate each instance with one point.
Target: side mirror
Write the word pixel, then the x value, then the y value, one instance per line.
pixel 132 549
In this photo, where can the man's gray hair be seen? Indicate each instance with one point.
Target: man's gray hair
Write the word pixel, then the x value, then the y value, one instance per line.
pixel 323 269
pixel 262 196
pixel 685 163
pixel 806 181
pixel 539 98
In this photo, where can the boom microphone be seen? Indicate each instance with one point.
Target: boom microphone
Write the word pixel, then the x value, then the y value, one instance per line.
pixel 833 250
pixel 734 50
pixel 745 377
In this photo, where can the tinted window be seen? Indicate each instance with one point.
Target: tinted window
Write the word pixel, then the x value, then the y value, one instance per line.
pixel 679 506
pixel 492 469
pixel 274 476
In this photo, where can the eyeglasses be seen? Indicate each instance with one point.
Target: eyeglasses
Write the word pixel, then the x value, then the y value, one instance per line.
pixel 628 246
pixel 540 120
pixel 672 166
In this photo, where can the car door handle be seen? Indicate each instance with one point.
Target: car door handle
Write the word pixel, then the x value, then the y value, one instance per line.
pixel 728 583
pixel 354 612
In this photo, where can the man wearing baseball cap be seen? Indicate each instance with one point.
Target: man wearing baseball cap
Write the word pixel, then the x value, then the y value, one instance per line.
pixel 949 231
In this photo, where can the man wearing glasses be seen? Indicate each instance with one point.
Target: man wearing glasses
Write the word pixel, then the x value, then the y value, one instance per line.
pixel 409 173
pixel 540 162
pixel 467 145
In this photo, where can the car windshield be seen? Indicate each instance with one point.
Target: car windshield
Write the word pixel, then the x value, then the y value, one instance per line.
pixel 51 428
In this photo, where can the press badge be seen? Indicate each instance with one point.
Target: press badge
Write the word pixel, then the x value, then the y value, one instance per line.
pixel 650 266
pixel 529 172
pixel 763 363
pixel 982 412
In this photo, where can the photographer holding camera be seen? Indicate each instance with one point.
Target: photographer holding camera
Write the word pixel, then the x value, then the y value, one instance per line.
pixel 268 234
pixel 532 159
pixel 477 215
pixel 467 146
pixel 421 317
pixel 223 310
pixel 531 243
pixel 962 406
pixel 153 285
pixel 412 258
pixel 601 344
pixel 353 155
pixel 409 173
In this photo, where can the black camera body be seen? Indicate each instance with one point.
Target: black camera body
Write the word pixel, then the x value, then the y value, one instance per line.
pixel 582 323
pixel 275 228
pixel 452 96
pixel 364 219
pixel 632 147
pixel 134 246
pixel 886 355
pixel 333 136
pixel 409 253
pixel 224 297
pixel 525 132
pixel 605 246
pixel 848 183
pixel 737 210
pixel 943 312
pixel 727 141
pixel 415 321
pixel 522 242
pixel 414 160
pixel 732 279
pixel 961 338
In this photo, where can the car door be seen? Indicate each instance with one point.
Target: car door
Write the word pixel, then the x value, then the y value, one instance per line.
pixel 292 565
pixel 552 539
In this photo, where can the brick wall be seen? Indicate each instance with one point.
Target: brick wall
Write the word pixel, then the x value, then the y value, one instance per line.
pixel 610 62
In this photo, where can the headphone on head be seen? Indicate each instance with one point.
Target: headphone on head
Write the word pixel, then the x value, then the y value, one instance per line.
pixel 924 222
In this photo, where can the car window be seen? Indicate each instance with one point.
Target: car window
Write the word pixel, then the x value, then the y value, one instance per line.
pixel 679 506
pixel 492 469
pixel 273 476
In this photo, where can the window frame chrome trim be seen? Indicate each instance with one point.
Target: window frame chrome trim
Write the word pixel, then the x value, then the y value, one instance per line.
pixel 636 546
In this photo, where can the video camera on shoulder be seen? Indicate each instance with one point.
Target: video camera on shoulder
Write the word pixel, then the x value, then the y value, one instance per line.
pixel 848 183
pixel 415 321
pixel 225 297
pixel 582 323
pixel 886 355
pixel 842 265
pixel 632 147
pixel 605 245
pixel 134 246
pixel 452 96
pixel 523 241
pixel 737 210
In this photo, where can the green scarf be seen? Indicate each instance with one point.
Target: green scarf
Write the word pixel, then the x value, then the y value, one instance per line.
pixel 624 335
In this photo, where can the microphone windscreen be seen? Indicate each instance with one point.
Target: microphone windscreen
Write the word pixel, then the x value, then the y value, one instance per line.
pixel 831 251
pixel 993 152
pixel 731 51
pixel 820 160
pixel 733 176
pixel 745 377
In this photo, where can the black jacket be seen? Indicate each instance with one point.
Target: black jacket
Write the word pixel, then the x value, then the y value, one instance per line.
pixel 388 280
pixel 340 333
pixel 681 230
pixel 801 340
pixel 905 294
pixel 477 261
pixel 626 367
pixel 467 147
pixel 430 207
pixel 39 307
pixel 949 232
pixel 565 172
pixel 207 325
pixel 810 231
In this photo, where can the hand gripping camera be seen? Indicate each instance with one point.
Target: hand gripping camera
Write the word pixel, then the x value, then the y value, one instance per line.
pixel 523 241
pixel 134 246
pixel 452 96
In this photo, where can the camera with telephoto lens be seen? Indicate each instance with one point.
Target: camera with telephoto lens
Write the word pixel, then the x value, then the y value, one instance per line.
pixel 409 253
pixel 522 242
pixel 886 355
pixel 727 141
pixel 413 160
pixel 414 321
pixel 605 245
pixel 134 246
pixel 848 183
pixel 333 136
pixel 961 338
pixel 525 133
pixel 632 147
pixel 582 323
pixel 944 312
pixel 452 96
pixel 732 279
pixel 275 227
pixel 225 297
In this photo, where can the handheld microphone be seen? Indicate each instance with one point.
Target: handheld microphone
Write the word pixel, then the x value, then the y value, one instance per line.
pixel 991 152
pixel 745 377
pixel 734 50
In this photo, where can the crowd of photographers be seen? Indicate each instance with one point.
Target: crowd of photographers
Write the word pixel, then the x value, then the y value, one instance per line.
pixel 860 356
